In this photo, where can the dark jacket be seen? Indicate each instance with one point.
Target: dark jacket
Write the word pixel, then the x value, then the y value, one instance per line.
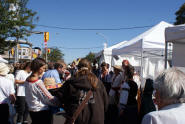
pixel 73 71
pixel 147 104
pixel 73 92
pixel 132 93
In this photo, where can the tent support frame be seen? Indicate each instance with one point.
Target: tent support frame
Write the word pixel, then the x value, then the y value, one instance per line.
pixel 142 61
pixel 166 54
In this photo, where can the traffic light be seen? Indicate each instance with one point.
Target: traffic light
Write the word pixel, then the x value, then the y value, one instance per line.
pixel 12 51
pixel 49 51
pixel 34 55
pixel 46 36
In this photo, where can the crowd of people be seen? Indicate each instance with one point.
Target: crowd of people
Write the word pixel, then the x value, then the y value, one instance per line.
pixel 89 94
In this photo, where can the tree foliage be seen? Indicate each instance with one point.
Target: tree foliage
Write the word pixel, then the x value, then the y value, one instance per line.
pixel 55 55
pixel 16 21
pixel 180 15
pixel 90 57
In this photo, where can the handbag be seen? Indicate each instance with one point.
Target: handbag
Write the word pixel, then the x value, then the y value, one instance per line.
pixel 79 109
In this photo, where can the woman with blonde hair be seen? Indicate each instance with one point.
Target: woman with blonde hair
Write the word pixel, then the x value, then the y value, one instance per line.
pixel 75 90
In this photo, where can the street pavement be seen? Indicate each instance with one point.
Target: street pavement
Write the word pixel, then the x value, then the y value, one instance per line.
pixel 58 119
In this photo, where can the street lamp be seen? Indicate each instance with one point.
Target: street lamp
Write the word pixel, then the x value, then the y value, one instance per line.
pixel 36 32
pixel 106 39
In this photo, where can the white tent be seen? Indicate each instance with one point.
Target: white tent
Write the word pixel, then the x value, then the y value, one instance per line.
pixel 146 50
pixel 106 54
pixel 176 35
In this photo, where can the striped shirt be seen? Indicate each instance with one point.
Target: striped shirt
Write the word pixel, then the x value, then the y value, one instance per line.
pixel 37 96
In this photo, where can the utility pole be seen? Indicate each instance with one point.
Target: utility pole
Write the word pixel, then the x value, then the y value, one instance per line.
pixel 16 51
pixel 46 55
pixel 46 38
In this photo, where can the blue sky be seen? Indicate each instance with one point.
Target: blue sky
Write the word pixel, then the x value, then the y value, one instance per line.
pixel 96 14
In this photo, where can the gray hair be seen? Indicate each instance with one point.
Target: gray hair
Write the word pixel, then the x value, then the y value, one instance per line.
pixel 171 85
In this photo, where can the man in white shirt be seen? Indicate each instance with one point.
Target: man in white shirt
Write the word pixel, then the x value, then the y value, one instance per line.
pixel 170 98
pixel 22 108
pixel 6 93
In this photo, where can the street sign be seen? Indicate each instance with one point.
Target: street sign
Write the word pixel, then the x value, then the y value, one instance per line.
pixel 45 44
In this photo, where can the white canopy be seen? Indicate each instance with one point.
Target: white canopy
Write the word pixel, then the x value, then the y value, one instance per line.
pixel 176 35
pixel 146 50
pixel 106 54
pixel 153 39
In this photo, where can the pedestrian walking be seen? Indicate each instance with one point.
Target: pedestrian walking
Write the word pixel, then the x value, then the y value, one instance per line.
pixel 76 89
pixel 21 105
pixel 128 103
pixel 147 104
pixel 105 77
pixel 59 68
pixel 170 98
pixel 7 93
pixel 37 96
pixel 112 113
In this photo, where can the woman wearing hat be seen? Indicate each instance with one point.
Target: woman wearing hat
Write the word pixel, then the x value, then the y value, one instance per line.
pixel 112 113
pixel 6 93
pixel 116 82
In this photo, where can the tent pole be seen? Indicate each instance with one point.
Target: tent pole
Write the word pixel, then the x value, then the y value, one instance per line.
pixel 142 61
pixel 166 54
pixel 111 62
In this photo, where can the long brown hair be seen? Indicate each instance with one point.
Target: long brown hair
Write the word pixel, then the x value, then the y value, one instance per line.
pixel 129 72
pixel 84 67
pixel 36 64
pixel 26 64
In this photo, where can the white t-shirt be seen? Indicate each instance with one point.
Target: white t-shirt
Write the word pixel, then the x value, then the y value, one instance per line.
pixel 11 77
pixel 6 88
pixel 171 114
pixel 21 75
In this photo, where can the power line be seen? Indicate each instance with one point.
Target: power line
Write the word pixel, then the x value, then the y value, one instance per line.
pixel 97 47
pixel 91 29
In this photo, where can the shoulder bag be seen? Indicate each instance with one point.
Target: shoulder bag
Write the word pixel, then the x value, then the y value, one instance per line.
pixel 71 120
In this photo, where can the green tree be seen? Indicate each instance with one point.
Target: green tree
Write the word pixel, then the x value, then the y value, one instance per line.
pixel 55 55
pixel 16 22
pixel 90 57
pixel 180 15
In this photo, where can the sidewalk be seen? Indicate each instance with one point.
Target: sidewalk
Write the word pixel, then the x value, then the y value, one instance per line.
pixel 58 119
